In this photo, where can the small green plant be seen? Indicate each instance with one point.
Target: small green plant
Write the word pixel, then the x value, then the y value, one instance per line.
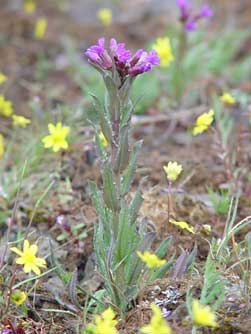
pixel 211 297
pixel 220 199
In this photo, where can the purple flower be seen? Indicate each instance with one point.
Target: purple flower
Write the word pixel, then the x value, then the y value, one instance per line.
pixel 184 9
pixel 99 55
pixel 182 3
pixel 166 313
pixel 143 62
pixel 206 11
pixel 190 25
pixel 118 51
pixel 136 57
pixel 189 21
pixel 124 62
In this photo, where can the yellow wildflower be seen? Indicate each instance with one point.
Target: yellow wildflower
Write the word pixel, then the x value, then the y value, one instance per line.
pixel 163 47
pixel 228 99
pixel 20 121
pixel 172 170
pixel 203 122
pixel 57 137
pixel 3 78
pixel 151 260
pixel 202 315
pixel 28 258
pixel 40 28
pixel 183 225
pixel 6 108
pixel 1 146
pixel 104 323
pixel 103 139
pixel 29 6
pixel 105 16
pixel 18 297
pixel 157 325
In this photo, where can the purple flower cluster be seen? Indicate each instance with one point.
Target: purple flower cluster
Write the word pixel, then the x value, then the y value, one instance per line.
pixel 124 61
pixel 188 19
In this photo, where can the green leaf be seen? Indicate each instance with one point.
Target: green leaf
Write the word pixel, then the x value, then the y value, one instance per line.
pixel 126 234
pixel 161 251
pixel 135 205
pixel 126 89
pixel 114 100
pixel 126 115
pixel 134 270
pixel 127 176
pixel 160 273
pixel 213 286
pixel 122 159
pixel 109 187
pixel 97 200
pixel 105 123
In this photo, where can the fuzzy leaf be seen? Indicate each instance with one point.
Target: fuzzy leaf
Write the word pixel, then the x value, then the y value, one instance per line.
pixel 126 233
pixel 135 205
pixel 109 188
pixel 105 123
pixel 122 159
pixel 97 200
pixel 114 100
pixel 129 172
pixel 136 265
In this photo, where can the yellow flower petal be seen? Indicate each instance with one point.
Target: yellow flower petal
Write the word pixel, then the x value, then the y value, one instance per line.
pixel 26 246
pixel 40 28
pixel 16 250
pixel 33 249
pixel 105 16
pixel 203 122
pixel 57 137
pixel 40 262
pixel 18 297
pixel 202 315
pixel 27 267
pixel 172 170
pixel 51 128
pixel 20 121
pixel 6 108
pixel 20 260
pixel 104 323
pixel 35 269
pixel 28 258
pixel 151 260
pixel 158 324
pixel 3 78
pixel 29 6
pixel 163 47
pixel 228 99
pixel 182 225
